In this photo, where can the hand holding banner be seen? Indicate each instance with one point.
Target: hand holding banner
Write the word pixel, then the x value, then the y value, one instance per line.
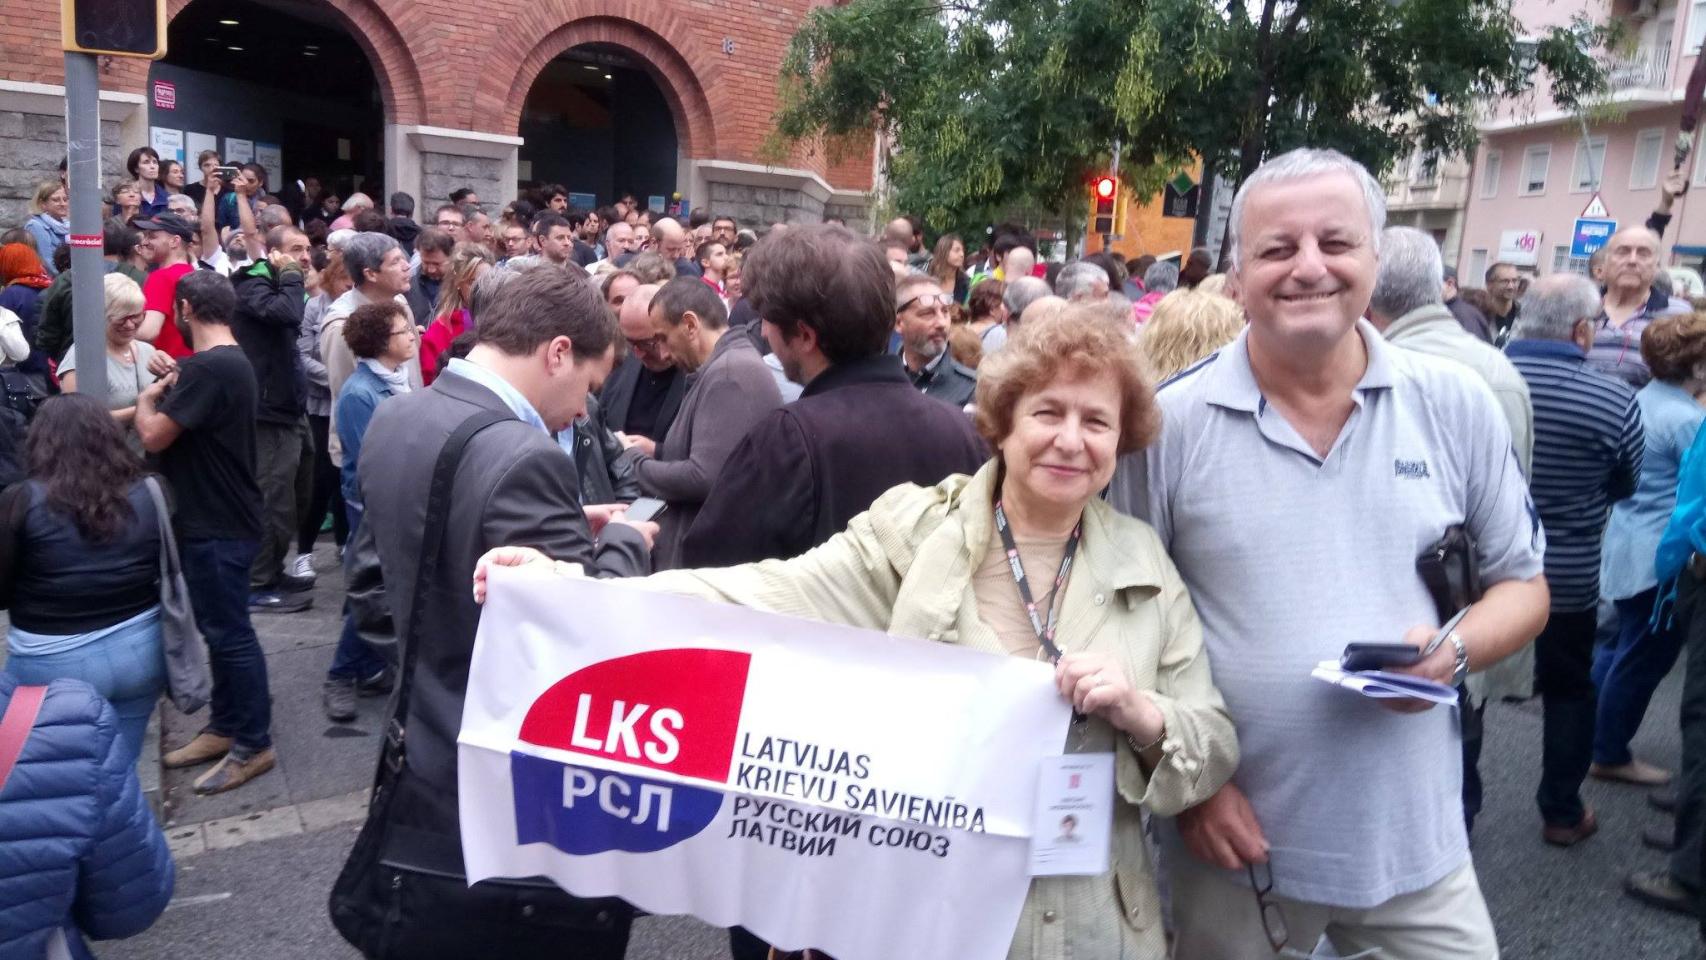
pixel 820 785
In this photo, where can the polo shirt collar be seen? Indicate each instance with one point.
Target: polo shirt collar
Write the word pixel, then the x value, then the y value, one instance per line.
pixel 1233 385
pixel 1556 349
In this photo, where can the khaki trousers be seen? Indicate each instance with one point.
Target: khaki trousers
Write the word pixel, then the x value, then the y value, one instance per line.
pixel 1217 919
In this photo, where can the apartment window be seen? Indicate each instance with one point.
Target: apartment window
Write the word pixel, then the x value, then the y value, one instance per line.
pixel 1644 170
pixel 1424 168
pixel 1492 168
pixel 1477 274
pixel 1562 262
pixel 1587 175
pixel 1696 25
pixel 1535 161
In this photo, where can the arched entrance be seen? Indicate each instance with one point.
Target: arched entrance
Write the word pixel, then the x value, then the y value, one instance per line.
pixel 556 86
pixel 289 84
pixel 596 123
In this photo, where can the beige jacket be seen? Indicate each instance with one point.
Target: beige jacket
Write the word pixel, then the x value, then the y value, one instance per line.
pixel 905 567
pixel 340 360
pixel 1434 331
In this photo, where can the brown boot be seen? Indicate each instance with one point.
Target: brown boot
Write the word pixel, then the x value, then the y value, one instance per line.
pixel 206 746
pixel 234 771
pixel 1586 827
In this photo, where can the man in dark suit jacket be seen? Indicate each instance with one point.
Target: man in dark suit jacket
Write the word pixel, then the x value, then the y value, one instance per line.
pixel 644 392
pixel 546 337
pixel 732 389
pixel 859 428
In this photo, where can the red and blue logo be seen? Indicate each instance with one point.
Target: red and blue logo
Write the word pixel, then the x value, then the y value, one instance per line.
pixel 674 710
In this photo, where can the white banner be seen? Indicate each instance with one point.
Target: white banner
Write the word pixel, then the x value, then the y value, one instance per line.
pixel 820 785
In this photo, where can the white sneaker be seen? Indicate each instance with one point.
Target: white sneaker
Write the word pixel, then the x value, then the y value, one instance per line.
pixel 304 566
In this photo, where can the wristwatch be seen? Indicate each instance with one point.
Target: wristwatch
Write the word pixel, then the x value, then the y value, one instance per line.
pixel 1461 652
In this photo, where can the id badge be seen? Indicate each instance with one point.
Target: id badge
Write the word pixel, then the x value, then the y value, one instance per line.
pixel 1072 831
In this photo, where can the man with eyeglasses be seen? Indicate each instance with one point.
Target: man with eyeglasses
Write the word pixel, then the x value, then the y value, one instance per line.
pixel 516 242
pixel 449 219
pixel 731 390
pixel 1504 284
pixel 643 394
pixel 921 321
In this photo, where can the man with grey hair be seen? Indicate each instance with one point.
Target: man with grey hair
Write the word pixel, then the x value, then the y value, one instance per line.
pixel 380 270
pixel 1345 814
pixel 1020 294
pixel 1588 445
pixel 1082 281
pixel 1160 279
pixel 1632 302
pixel 1407 308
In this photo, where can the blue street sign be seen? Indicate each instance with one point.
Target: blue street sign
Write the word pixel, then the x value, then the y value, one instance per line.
pixel 1590 234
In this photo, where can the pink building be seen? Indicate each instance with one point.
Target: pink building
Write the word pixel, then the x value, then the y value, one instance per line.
pixel 1535 173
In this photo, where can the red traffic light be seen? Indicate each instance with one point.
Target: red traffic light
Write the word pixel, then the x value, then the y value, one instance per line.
pixel 1105 187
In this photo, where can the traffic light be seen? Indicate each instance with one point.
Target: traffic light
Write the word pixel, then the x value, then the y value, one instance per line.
pixel 1105 200
pixel 119 28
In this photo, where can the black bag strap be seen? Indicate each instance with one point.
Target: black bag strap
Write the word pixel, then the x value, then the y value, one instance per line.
pixel 432 544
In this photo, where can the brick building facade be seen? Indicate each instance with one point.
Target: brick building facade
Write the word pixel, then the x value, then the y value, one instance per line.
pixel 715 62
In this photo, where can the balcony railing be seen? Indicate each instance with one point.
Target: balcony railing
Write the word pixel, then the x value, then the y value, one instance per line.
pixel 1647 68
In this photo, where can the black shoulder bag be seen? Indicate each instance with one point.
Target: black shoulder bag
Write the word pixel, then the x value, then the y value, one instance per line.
pixel 359 902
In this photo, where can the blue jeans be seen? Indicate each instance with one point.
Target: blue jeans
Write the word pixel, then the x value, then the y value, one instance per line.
pixel 127 667
pixel 217 572
pixel 354 658
pixel 1626 671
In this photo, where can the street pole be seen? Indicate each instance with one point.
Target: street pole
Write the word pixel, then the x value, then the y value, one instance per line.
pixel 83 176
pixel 1119 197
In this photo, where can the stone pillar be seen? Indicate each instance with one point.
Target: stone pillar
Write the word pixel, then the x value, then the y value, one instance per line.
pixel 429 162
pixel 32 140
pixel 758 196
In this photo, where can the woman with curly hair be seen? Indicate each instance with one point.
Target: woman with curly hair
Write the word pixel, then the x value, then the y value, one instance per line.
pixel 80 563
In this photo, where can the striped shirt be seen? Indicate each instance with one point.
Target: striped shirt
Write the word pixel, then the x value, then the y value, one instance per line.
pixel 1588 446
pixel 1617 350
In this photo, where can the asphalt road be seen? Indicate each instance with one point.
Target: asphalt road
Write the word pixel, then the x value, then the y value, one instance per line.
pixel 255 866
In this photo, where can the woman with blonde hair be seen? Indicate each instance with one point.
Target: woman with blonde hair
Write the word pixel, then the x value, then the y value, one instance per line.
pixel 467 262
pixel 1187 325
pixel 127 357
pixel 1088 588
pixel 49 224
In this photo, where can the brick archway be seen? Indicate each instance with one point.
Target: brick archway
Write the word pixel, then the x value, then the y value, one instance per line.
pixel 659 44
pixel 372 28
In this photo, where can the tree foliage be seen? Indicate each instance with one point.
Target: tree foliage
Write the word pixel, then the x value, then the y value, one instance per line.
pixel 994 104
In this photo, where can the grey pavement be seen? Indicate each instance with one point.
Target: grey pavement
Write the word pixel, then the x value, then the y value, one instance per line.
pixel 255 865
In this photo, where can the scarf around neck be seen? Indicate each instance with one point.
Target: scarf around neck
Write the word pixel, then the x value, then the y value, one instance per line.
pixel 397 380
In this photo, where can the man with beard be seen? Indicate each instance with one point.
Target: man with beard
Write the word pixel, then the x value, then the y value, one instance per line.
pixel 921 320
pixel 818 462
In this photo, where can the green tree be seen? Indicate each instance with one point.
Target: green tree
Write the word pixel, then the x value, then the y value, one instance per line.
pixel 991 105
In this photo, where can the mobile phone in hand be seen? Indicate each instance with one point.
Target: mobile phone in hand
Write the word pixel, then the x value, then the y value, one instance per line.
pixel 645 508
pixel 1379 656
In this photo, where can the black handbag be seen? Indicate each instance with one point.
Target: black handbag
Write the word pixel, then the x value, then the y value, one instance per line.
pixel 395 900
pixel 366 898
pixel 1451 572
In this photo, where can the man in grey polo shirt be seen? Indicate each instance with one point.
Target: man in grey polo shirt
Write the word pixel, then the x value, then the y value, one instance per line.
pixel 1299 474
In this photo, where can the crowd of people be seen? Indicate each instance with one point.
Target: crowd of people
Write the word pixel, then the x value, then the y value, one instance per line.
pixel 924 430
